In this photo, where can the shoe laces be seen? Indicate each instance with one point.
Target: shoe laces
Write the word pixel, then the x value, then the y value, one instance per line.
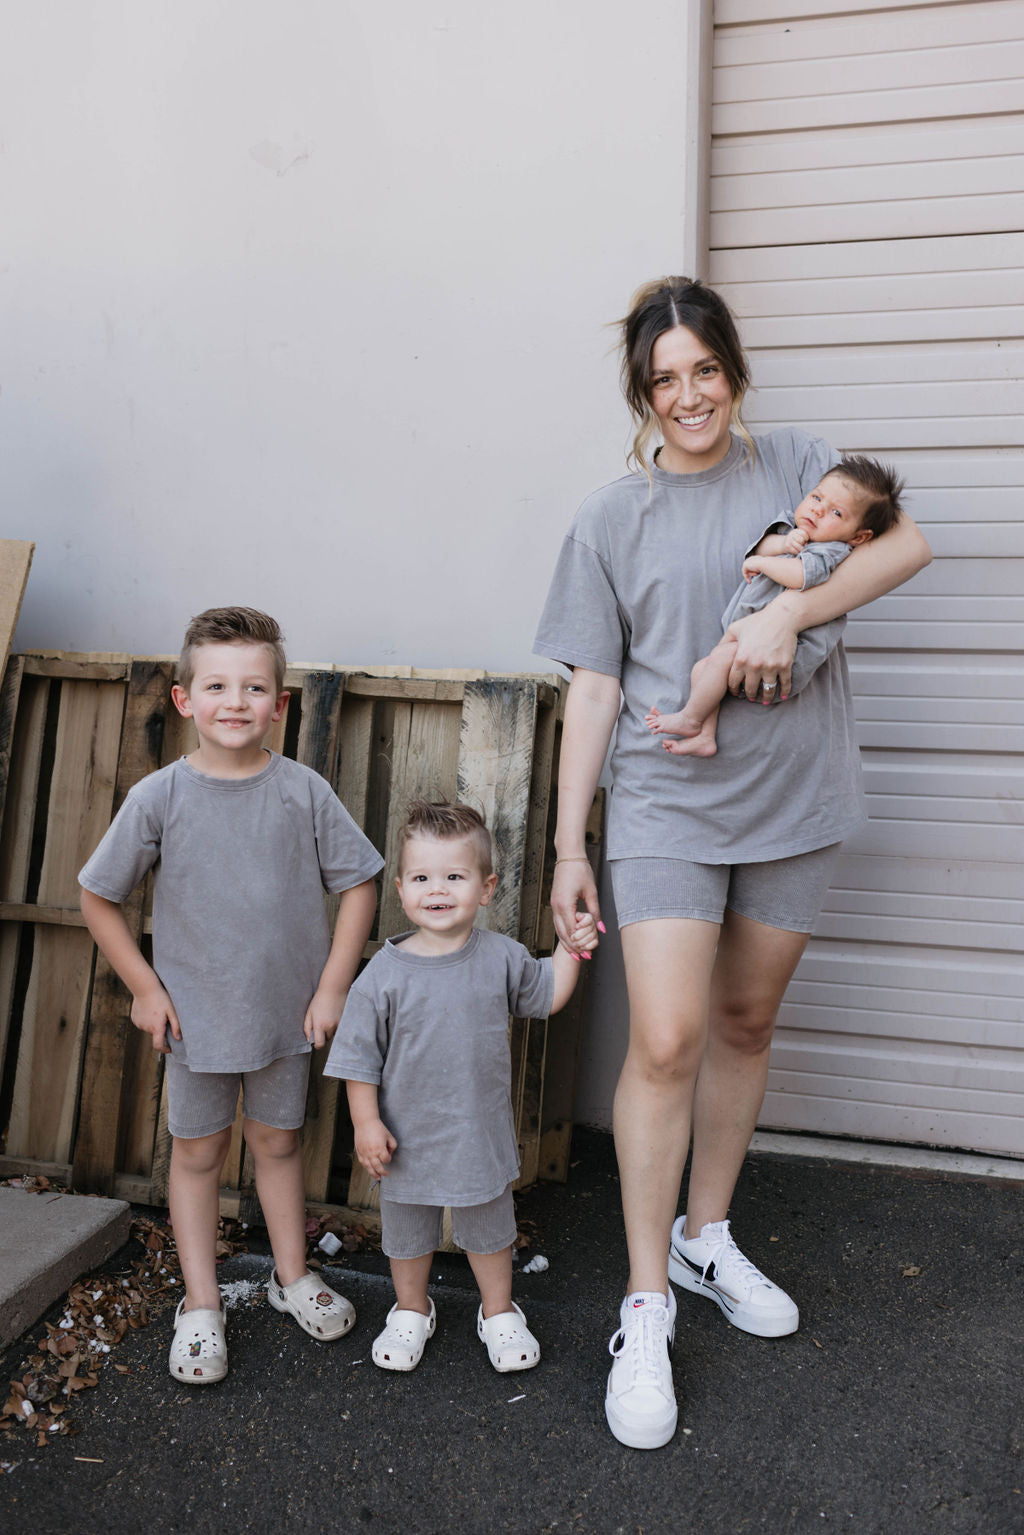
pixel 724 1252
pixel 643 1338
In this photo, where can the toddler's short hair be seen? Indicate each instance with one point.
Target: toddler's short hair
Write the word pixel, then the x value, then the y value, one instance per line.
pixel 447 823
pixel 231 626
pixel 882 488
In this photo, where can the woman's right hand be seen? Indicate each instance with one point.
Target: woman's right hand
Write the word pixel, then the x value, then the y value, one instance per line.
pixel 572 886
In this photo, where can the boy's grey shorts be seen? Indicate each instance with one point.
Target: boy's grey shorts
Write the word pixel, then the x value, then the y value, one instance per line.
pixel 785 892
pixel 412 1231
pixel 204 1102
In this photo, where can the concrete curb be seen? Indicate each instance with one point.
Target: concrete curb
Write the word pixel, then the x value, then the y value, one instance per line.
pixel 47 1241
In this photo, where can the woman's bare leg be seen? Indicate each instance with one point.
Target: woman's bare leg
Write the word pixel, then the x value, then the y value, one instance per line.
pixel 753 967
pixel 668 975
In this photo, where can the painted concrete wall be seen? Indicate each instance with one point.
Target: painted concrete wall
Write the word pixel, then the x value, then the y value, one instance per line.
pixel 303 307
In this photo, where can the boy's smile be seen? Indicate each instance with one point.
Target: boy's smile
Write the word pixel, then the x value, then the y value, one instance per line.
pixel 441 888
pixel 233 700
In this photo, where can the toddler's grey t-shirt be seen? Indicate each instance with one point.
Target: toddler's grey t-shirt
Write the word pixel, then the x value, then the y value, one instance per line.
pixel 642 579
pixel 432 1033
pixel 240 933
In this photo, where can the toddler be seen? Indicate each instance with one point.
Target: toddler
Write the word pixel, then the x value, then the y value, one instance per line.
pixel 423 1046
pixel 245 980
pixel 855 501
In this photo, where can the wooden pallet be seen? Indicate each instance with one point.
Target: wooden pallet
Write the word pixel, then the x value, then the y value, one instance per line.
pixel 81 1091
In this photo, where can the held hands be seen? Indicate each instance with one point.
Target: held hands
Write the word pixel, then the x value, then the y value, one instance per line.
pixel 153 1013
pixel 573 886
pixel 374 1145
pixel 583 940
pixel 323 1016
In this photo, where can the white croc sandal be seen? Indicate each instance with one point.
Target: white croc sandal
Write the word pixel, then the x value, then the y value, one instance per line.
pixel 510 1343
pixel 199 1350
pixel 400 1346
pixel 318 1309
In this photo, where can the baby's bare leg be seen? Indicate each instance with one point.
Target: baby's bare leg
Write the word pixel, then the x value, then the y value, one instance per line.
pixel 698 718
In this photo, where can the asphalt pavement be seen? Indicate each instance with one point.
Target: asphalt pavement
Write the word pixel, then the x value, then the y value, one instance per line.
pixel 897 1406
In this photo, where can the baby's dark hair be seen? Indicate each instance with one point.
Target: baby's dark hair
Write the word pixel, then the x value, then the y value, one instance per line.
pixel 231 626
pixel 447 823
pixel 882 488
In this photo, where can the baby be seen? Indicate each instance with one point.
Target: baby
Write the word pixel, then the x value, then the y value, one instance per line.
pixel 855 501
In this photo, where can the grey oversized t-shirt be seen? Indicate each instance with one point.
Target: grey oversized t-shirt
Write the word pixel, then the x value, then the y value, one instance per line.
pixel 432 1033
pixel 642 579
pixel 240 933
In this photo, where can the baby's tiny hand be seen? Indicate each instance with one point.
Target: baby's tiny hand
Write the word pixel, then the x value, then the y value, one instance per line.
pixel 796 540
pixel 751 566
pixel 584 937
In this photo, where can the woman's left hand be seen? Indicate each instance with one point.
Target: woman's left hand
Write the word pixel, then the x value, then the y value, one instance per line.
pixel 765 646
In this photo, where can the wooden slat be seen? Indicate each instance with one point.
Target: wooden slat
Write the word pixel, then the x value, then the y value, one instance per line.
pixel 495 760
pixel 118 1082
pixel 53 1032
pixel 15 564
pixel 16 843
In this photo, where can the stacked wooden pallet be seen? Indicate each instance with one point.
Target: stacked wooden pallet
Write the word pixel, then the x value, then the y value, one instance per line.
pixel 81 1091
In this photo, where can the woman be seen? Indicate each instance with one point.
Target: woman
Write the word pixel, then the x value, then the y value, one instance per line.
pixel 719 865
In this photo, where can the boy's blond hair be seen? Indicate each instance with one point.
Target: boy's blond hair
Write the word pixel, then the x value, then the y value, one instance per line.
pixel 447 823
pixel 231 626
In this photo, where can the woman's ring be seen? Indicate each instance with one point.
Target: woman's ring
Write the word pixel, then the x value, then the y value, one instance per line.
pixel 769 687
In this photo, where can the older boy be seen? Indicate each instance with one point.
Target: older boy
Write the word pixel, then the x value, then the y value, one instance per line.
pixel 245 980
pixel 855 501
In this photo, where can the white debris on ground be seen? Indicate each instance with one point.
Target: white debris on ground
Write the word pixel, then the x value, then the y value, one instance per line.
pixel 536 1265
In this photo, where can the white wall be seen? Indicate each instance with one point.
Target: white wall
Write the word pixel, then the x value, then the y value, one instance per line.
pixel 302 307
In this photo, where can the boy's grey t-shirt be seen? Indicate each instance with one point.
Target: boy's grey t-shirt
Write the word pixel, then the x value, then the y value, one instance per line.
pixel 432 1034
pixel 642 579
pixel 240 933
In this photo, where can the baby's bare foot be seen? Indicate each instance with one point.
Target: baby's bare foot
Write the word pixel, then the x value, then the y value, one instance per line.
pixel 672 724
pixel 702 745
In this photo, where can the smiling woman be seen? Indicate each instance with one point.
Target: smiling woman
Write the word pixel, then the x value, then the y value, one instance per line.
pixel 718 870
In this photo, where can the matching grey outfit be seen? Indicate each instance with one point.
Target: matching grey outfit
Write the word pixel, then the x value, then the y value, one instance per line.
pixel 818 560
pixel 644 574
pixel 240 933
pixel 431 1032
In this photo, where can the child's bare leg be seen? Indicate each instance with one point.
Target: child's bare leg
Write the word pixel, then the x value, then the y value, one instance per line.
pixel 195 1208
pixel 411 1279
pixel 493 1273
pixel 280 1185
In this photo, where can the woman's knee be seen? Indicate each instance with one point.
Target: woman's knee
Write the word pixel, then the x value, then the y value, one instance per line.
pixel 744 1024
pixel 666 1057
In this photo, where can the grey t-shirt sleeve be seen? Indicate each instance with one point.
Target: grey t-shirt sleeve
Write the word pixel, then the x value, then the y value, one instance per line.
pixel 820 560
pixel 129 849
pixel 347 858
pixel 531 983
pixel 360 1045
pixel 583 623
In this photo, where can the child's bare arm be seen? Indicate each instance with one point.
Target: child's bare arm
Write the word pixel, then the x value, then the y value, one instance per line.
pixel 783 571
pixel 355 918
pixel 374 1143
pixel 567 961
pixel 152 1009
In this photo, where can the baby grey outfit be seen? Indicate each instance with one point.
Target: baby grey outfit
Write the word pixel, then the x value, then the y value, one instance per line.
pixel 432 1033
pixel 240 933
pixel 818 560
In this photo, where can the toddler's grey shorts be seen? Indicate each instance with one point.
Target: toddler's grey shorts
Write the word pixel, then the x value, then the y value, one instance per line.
pixel 411 1231
pixel 784 892
pixel 204 1102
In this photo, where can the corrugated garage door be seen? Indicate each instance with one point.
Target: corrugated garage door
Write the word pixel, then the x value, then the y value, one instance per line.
pixel 867 168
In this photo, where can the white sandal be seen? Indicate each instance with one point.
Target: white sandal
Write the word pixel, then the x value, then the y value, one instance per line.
pixel 400 1346
pixel 318 1309
pixel 199 1350
pixel 510 1343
